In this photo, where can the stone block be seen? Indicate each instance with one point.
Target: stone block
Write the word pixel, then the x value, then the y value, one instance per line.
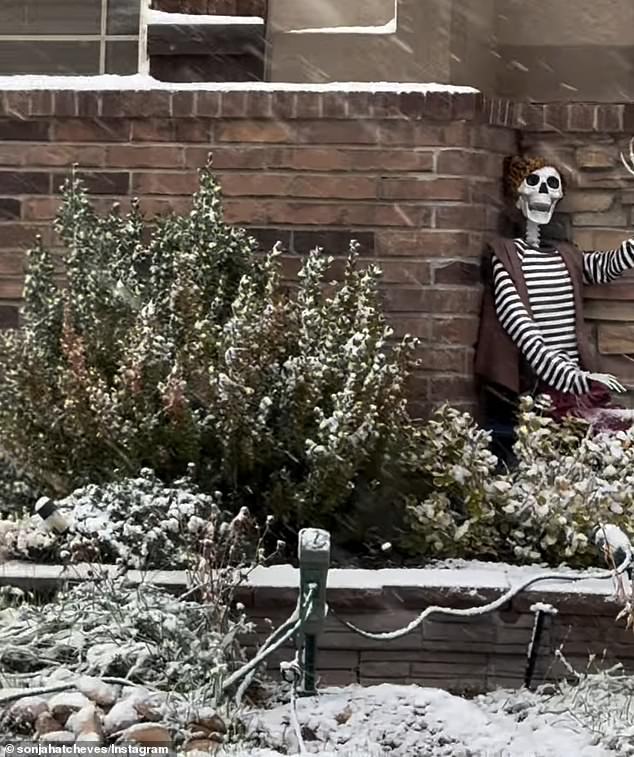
pixel 596 156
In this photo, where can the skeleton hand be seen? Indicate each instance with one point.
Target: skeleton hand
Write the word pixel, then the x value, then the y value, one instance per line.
pixel 608 380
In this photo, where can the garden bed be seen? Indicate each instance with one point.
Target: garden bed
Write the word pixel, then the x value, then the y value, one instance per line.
pixel 460 654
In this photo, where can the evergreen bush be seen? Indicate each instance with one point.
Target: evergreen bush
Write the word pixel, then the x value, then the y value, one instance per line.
pixel 173 343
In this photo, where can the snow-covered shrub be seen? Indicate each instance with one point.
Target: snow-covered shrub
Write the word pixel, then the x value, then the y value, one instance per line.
pixel 175 344
pixel 567 480
pixel 140 633
pixel 138 523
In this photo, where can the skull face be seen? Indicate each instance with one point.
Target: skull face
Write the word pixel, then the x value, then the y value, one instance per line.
pixel 539 193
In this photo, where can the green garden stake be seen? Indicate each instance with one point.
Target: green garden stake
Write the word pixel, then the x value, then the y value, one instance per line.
pixel 314 561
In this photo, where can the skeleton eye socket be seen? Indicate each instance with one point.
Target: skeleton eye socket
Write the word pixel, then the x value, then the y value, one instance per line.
pixel 532 180
pixel 553 182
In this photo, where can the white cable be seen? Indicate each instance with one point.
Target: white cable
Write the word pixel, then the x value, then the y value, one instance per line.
pixel 482 609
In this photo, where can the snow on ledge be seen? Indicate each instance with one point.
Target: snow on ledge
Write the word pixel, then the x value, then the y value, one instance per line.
pixel 143 82
pixel 196 19
pixel 391 27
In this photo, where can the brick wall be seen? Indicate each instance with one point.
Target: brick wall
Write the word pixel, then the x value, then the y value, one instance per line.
pixel 414 178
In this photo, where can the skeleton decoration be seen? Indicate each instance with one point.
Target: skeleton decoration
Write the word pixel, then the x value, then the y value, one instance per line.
pixel 538 195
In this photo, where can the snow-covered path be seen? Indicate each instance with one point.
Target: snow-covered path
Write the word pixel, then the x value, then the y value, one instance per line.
pixel 410 721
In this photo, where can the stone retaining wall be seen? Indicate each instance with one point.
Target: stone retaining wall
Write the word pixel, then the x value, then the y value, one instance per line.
pixel 460 654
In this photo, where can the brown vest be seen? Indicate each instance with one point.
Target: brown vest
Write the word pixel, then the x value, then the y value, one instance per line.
pixel 497 358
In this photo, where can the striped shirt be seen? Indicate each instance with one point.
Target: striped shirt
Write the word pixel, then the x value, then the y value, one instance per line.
pixel 548 339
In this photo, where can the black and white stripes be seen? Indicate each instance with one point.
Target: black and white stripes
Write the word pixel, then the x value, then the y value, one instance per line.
pixel 547 338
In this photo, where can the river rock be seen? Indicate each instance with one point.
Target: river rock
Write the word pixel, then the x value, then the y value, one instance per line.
pixel 58 737
pixel 62 705
pixel 201 746
pixel 46 723
pixel 122 715
pixel 97 691
pixel 147 734
pixel 26 710
pixel 208 720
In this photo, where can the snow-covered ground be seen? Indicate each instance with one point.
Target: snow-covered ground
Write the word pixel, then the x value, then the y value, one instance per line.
pixel 410 721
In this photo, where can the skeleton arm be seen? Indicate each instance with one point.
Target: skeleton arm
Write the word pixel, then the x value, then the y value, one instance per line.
pixel 553 368
pixel 603 267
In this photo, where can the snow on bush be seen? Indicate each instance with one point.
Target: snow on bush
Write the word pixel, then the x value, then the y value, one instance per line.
pixel 567 481
pixel 174 343
pixel 139 523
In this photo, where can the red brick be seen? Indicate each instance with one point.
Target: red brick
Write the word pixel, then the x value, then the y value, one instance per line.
pixel 461 217
pixel 467 162
pixel 581 117
pixel 10 209
pixel 337 132
pixel 9 317
pixel 184 104
pixel 20 236
pixel 233 104
pixel 91 130
pixel 64 155
pixel 98 182
pixel 457 272
pixel 455 330
pixel 283 105
pixel 412 325
pixel 88 103
pixel 65 103
pixel 260 184
pixel 11 288
pixel 499 140
pixel 428 244
pixel 609 117
pixel 259 105
pixel 431 300
pixel 253 131
pixel 308 105
pixel 40 208
pixel 147 104
pixel 424 189
pixel 164 183
pixel 418 134
pixel 334 242
pixel 441 359
pixel 403 271
pixel 452 388
pixel 175 130
pixel 145 156
pixel 334 104
pixel 334 186
pixel 208 104
pixel 232 157
pixel 24 183
pixel 12 263
pixel 12 154
pixel 24 130
pixel 161 206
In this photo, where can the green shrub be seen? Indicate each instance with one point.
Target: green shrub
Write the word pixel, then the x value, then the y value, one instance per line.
pixel 173 343
pixel 567 481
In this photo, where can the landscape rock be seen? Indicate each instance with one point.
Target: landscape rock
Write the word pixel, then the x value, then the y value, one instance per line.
pixel 147 734
pixel 208 720
pixel 201 746
pixel 85 721
pixel 46 723
pixel 122 715
pixel 58 737
pixel 97 691
pixel 62 705
pixel 26 710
